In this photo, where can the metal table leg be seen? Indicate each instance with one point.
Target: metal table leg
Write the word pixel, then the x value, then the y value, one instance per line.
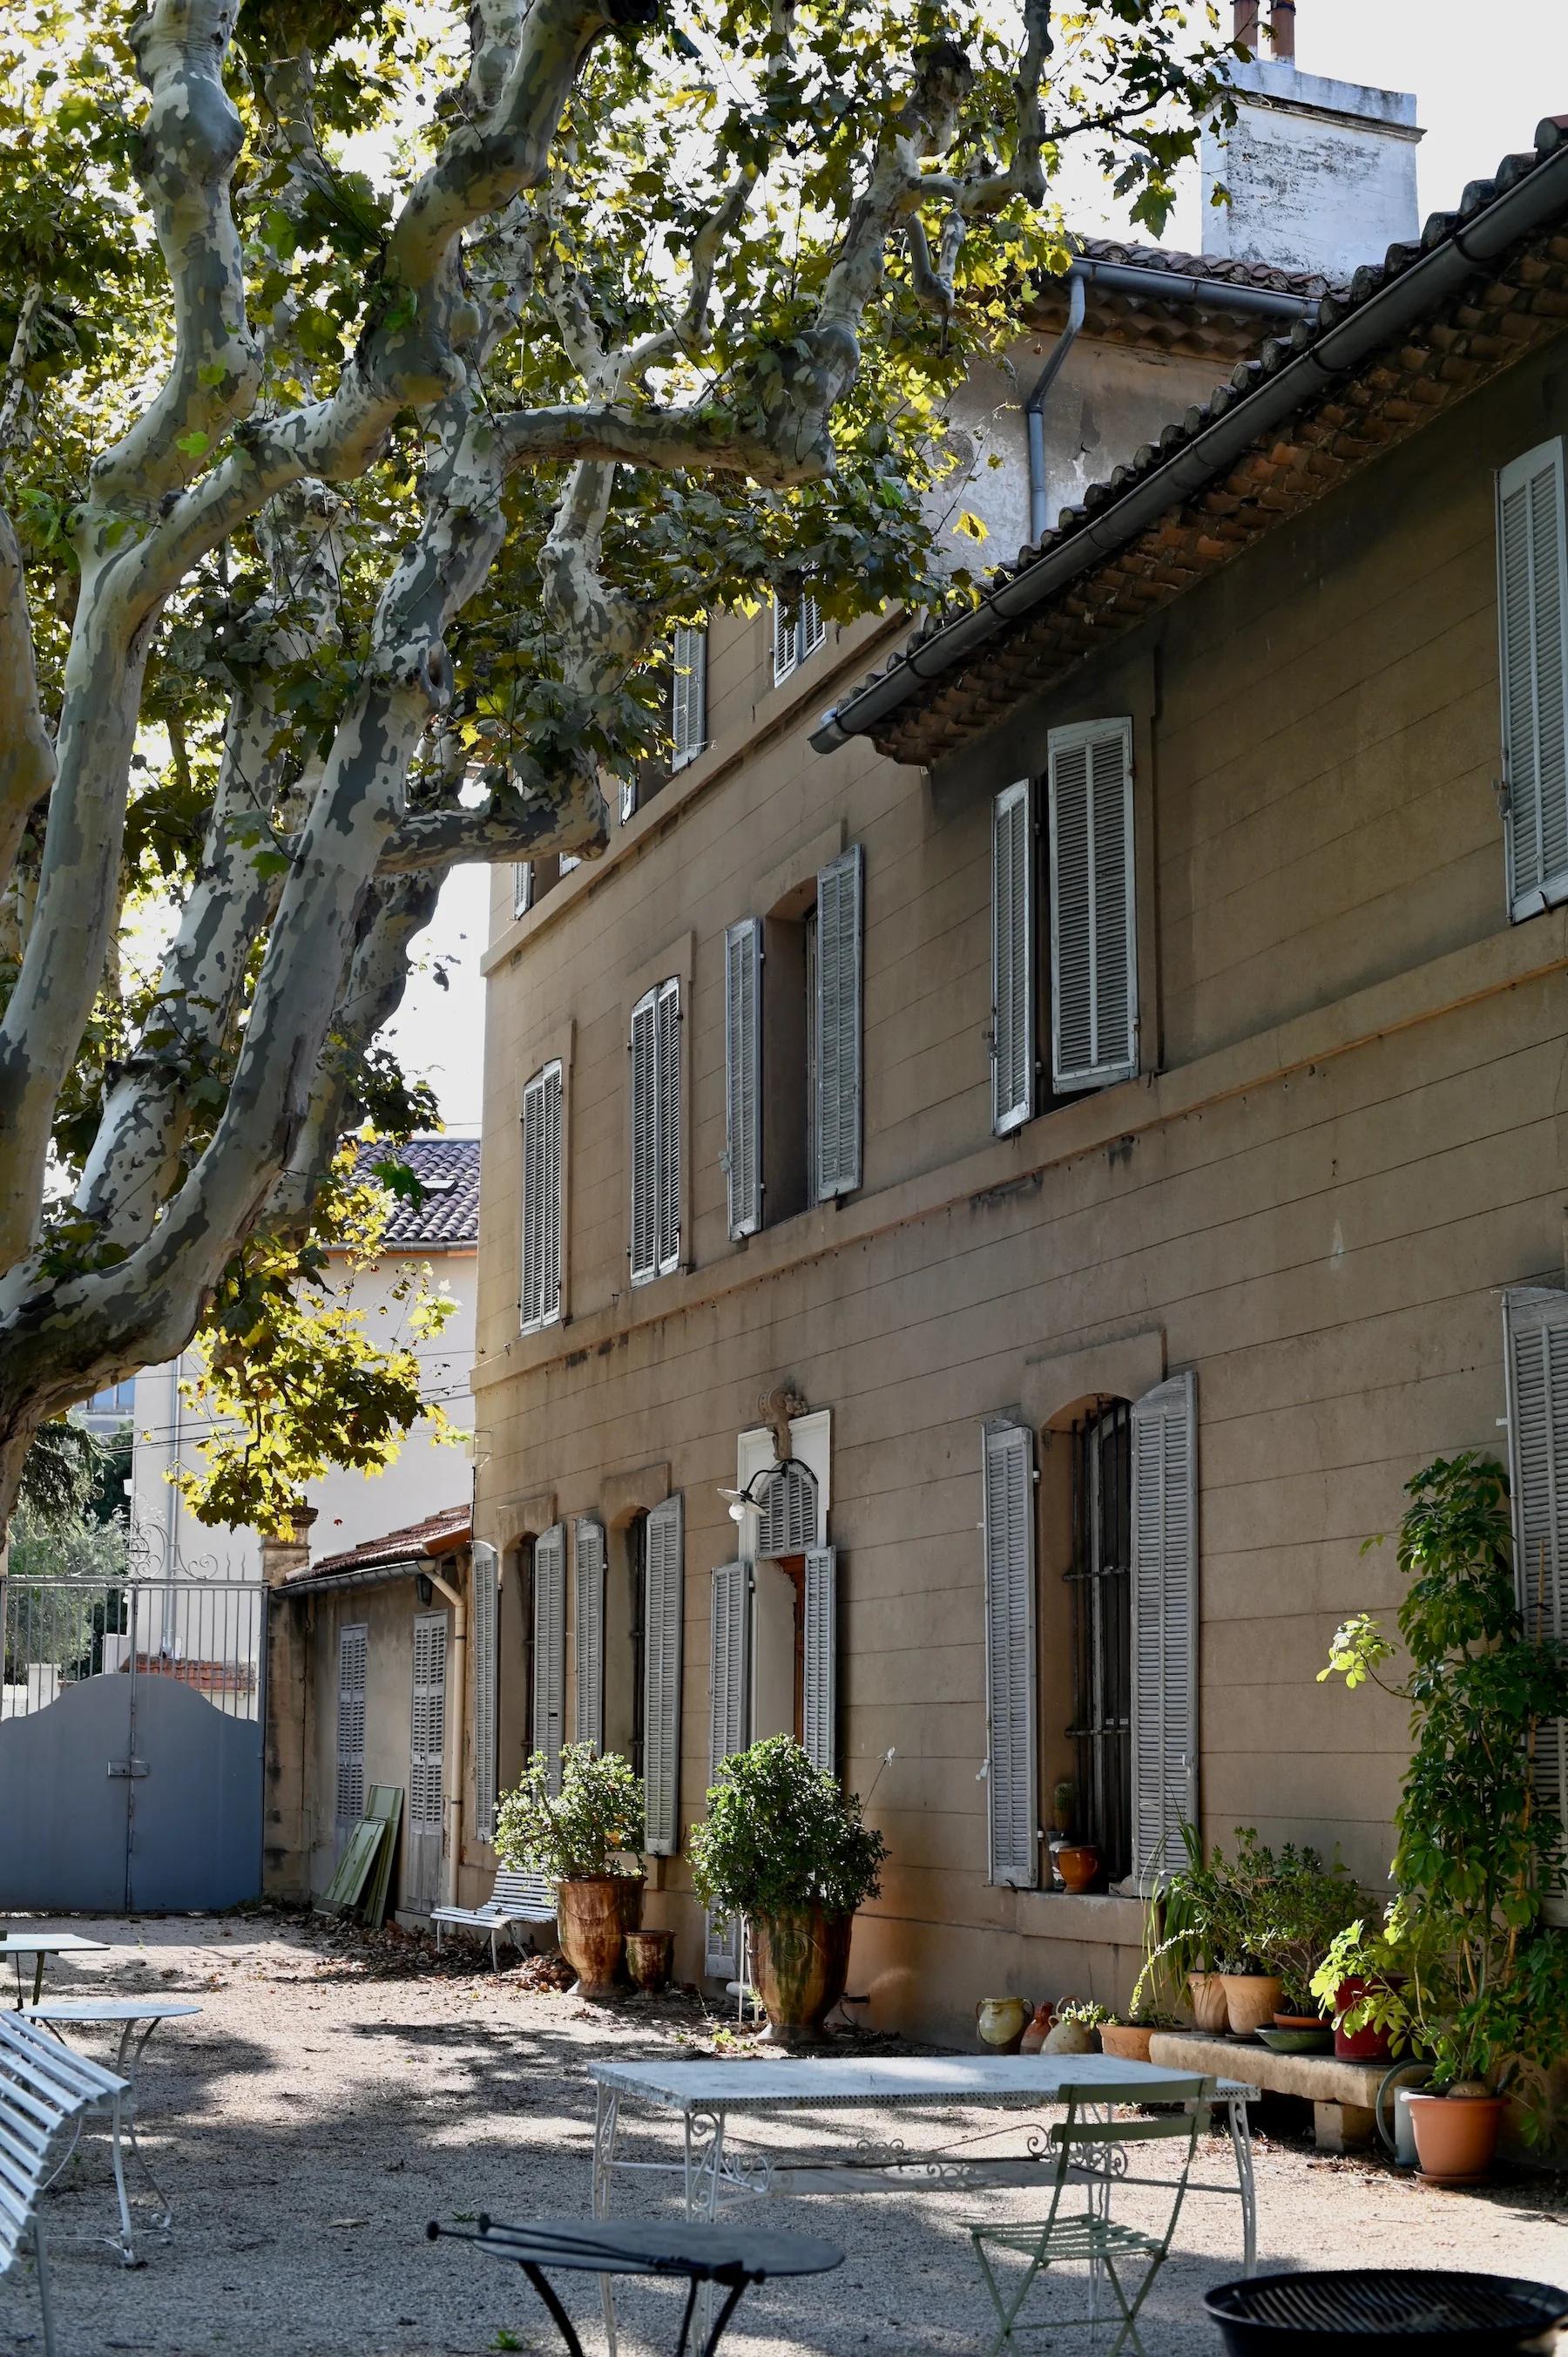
pixel 1241 2146
pixel 607 2123
pixel 127 2066
pixel 704 2153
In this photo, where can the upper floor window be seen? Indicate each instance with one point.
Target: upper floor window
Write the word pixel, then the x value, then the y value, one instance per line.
pixel 1532 613
pixel 542 1103
pixel 798 631
pixel 521 887
pixel 688 694
pixel 655 1047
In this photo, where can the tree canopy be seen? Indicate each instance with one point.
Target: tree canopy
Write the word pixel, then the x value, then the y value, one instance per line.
pixel 378 384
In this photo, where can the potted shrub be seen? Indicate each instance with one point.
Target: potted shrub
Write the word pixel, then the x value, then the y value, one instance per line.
pixel 1179 1941
pixel 1485 1979
pixel 1359 1981
pixel 1128 2034
pixel 1302 1905
pixel 786 1848
pixel 584 1839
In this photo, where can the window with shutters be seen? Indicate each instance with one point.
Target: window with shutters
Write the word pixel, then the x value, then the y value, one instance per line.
pixel 1100 1583
pixel 688 693
pixel 352 1662
pixel 656 1087
pixel 798 631
pixel 1094 980
pixel 663 1614
pixel 1535 1327
pixel 521 888
pixel 1532 627
pixel 543 1179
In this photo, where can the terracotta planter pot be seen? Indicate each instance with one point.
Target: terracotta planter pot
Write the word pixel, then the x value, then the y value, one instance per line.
pixel 1250 2001
pixel 1000 2023
pixel 1299 2021
pixel 1455 2135
pixel 648 1956
pixel 1369 2044
pixel 1079 1864
pixel 1207 1993
pixel 800 1961
pixel 1126 2039
pixel 592 1921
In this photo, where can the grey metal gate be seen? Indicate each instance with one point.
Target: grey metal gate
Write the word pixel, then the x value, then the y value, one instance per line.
pixel 131 1739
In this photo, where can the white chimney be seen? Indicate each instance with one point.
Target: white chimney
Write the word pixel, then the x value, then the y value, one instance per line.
pixel 1321 174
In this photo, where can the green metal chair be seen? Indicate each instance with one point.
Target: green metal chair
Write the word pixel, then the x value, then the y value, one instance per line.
pixel 1091 2151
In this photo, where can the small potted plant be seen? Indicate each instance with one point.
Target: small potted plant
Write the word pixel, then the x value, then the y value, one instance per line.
pixel 1076 2027
pixel 1128 2035
pixel 1302 1905
pixel 584 1839
pixel 1359 1982
pixel 786 1848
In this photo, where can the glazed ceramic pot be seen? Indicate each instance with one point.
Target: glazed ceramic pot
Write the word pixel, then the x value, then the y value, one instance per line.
pixel 1070 2037
pixel 1125 2039
pixel 1039 2029
pixel 1455 2135
pixel 1369 2044
pixel 1250 2001
pixel 800 1964
pixel 1209 2010
pixel 1079 1864
pixel 648 1958
pixel 1000 2023
pixel 590 1915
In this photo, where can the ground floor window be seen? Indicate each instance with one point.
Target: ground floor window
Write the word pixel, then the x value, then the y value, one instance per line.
pixel 1100 1583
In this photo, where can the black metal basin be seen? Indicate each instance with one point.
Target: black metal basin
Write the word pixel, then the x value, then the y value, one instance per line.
pixel 1413 2308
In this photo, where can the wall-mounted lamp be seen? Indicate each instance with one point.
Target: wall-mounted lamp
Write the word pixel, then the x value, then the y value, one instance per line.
pixel 739 1499
pixel 423 1588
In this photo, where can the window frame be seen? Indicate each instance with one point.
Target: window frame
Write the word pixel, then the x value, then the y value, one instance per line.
pixel 797 635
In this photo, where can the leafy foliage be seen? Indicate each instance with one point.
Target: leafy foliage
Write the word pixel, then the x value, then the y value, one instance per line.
pixel 779 1835
pixel 1260 1910
pixel 592 1826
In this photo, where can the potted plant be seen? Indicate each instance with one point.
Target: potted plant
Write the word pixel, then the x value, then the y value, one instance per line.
pixel 786 1848
pixel 581 1838
pixel 1076 2028
pixel 1128 2035
pixel 1486 1980
pixel 1359 1981
pixel 1302 1906
pixel 1180 1940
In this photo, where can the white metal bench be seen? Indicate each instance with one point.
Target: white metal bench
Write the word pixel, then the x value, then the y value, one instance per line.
pixel 518 1898
pixel 46 2091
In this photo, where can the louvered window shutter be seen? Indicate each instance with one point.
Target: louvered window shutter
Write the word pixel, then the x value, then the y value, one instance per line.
pixel 838 1020
pixel 1009 1539
pixel 786 1512
pixel 667 1046
pixel 819 1665
pixel 1535 1326
pixel 352 1647
pixel 1012 958
pixel 1094 961
pixel 427 1738
pixel 551 1181
pixel 550 1647
pixel 729 1707
pixel 1532 613
pixel 542 1199
pixel 689 694
pixel 521 888
pixel 482 1676
pixel 644 1139
pixel 663 1622
pixel 1165 1624
pixel 589 1636
pixel 810 629
pixel 742 1075
pixel 784 643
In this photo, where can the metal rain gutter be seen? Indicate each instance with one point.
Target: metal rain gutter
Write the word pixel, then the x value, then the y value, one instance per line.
pixel 366 1575
pixel 1336 352
pixel 1035 407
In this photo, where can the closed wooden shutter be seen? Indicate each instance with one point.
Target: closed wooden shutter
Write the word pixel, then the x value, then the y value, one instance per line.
pixel 644 1139
pixel 668 1044
pixel 589 1635
pixel 838 1024
pixel 1012 958
pixel 786 1512
pixel 742 1075
pixel 1535 1324
pixel 820 1666
pixel 1165 1624
pixel 689 694
pixel 1533 615
pixel 541 1176
pixel 353 1655
pixel 664 1614
pixel 729 1712
pixel 1008 1527
pixel 427 1739
pixel 482 1601
pixel 550 1647
pixel 1094 959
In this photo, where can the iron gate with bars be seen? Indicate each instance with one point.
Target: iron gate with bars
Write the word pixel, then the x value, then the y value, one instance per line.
pixel 131 1726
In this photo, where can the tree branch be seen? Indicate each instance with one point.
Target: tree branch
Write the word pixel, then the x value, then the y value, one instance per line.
pixel 513 823
pixel 27 755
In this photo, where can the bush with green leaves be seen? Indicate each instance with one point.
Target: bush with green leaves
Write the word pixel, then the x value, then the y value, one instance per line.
pixel 1259 1910
pixel 779 1836
pixel 592 1826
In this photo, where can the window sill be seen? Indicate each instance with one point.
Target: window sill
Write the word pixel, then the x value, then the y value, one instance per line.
pixel 1100 1917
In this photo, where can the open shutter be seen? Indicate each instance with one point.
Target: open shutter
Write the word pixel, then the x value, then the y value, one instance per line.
pixel 521 887
pixel 837 1016
pixel 1094 978
pixel 668 1054
pixel 1532 620
pixel 1165 1624
pixel 820 1667
pixel 689 694
pixel 541 1301
pixel 588 1632
pixel 428 1724
pixel 663 1622
pixel 1012 958
pixel 352 1648
pixel 482 1582
pixel 729 1709
pixel 550 1647
pixel 550 1182
pixel 783 642
pixel 644 1139
pixel 1535 1327
pixel 1009 1538
pixel 810 629
pixel 742 1075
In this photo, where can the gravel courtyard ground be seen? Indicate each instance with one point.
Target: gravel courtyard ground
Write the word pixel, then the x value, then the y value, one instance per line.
pixel 329 2099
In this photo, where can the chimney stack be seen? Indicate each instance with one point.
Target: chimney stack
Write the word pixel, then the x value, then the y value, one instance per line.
pixel 1246 27
pixel 1281 29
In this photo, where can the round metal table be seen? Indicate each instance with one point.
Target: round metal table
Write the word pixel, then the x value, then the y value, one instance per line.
pixel 137 2017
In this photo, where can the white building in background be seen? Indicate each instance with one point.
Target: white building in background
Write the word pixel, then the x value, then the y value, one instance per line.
pixel 167 1541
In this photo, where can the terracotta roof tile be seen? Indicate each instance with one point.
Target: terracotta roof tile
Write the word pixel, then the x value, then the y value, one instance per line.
pixel 437 1534
pixel 448 1170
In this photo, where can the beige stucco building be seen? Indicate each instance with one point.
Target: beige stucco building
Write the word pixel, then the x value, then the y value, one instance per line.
pixel 1089 1113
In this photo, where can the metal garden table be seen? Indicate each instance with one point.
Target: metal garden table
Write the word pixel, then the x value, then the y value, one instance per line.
pixel 137 2018
pixel 40 1945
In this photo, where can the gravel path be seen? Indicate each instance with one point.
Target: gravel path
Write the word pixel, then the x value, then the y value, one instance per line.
pixel 330 2100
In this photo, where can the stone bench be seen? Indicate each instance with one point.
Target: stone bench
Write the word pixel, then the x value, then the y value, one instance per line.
pixel 1343 2095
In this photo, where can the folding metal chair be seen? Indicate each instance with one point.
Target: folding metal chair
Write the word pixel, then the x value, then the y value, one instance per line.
pixel 1090 2151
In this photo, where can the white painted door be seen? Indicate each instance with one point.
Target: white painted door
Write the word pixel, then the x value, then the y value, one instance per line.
pixel 426 1749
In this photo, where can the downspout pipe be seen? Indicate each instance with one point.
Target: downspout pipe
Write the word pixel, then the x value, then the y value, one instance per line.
pixel 457 1706
pixel 1527 203
pixel 1035 407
